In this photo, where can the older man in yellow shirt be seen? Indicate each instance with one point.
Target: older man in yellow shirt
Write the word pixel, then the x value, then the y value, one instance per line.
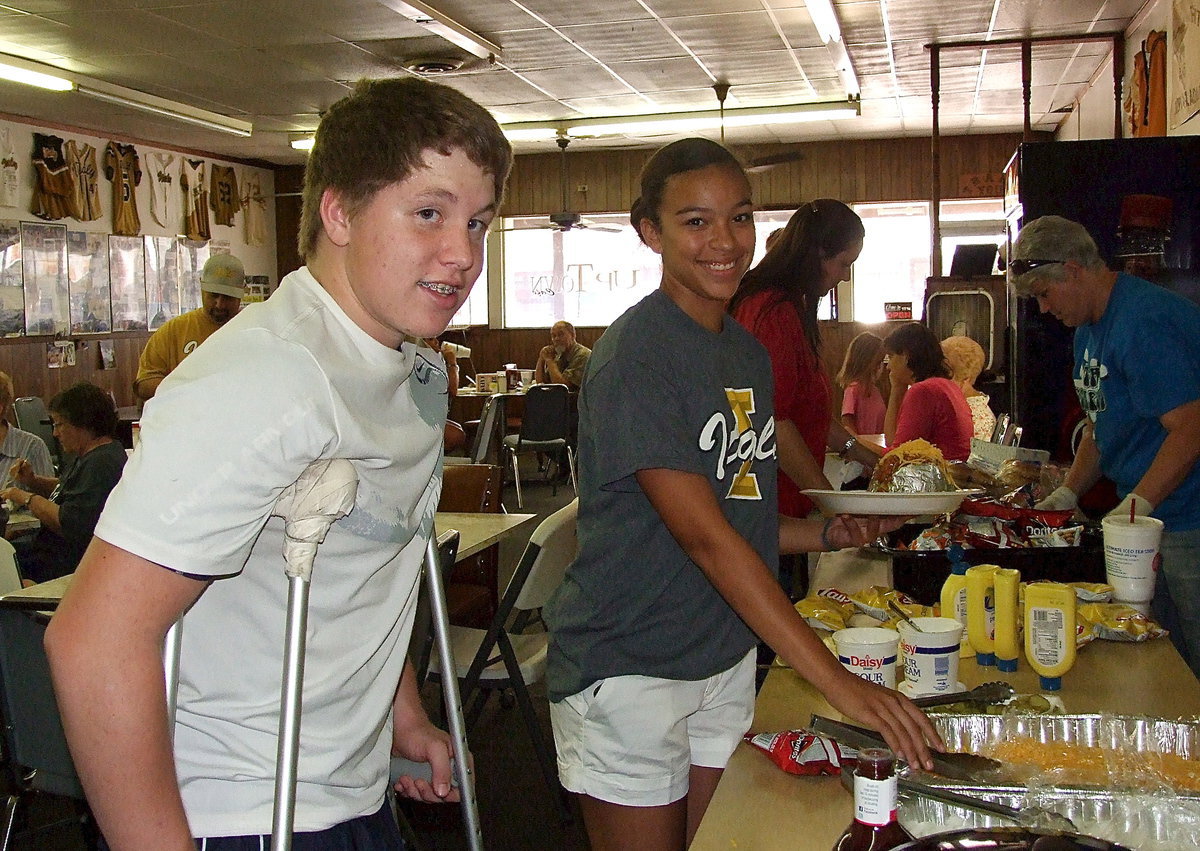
pixel 222 287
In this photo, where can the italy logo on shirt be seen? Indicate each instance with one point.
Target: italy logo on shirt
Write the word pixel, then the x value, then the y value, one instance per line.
pixel 740 445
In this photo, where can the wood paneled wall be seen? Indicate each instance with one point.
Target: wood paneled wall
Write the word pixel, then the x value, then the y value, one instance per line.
pixel 24 359
pixel 850 170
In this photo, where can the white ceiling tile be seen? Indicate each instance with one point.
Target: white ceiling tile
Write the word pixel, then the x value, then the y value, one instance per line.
pixel 279 62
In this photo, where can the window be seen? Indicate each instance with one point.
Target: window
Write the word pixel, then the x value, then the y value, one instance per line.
pixel 475 309
pixel 586 275
pixel 894 262
pixel 979 220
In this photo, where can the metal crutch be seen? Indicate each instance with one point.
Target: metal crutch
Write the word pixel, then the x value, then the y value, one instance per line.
pixel 324 492
pixel 451 695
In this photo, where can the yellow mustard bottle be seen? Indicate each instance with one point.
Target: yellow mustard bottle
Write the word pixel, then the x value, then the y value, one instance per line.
pixel 954 596
pixel 981 612
pixel 1050 631
pixel 1007 583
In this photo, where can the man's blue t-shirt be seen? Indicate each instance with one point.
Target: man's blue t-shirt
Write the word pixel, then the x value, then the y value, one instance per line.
pixel 1140 360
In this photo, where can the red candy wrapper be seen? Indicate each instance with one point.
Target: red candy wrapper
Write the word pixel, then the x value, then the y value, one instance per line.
pixel 802 752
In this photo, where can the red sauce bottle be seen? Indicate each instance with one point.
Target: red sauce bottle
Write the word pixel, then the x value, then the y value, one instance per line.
pixel 874 827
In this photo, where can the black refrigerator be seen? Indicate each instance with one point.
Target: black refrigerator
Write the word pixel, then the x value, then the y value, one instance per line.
pixel 1087 182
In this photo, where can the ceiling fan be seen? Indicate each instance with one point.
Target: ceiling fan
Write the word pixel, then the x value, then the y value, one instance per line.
pixel 758 164
pixel 566 219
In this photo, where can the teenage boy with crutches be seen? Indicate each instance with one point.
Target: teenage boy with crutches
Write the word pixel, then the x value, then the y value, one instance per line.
pixel 399 189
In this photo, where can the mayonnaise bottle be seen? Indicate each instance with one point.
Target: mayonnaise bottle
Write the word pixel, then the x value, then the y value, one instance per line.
pixel 981 612
pixel 1007 583
pixel 1050 631
pixel 954 596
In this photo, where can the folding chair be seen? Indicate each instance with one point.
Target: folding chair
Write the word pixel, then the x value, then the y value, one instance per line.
pixel 545 427
pixel 499 658
pixel 472 592
pixel 31 416
pixel 490 419
pixel 38 759
pixel 10 575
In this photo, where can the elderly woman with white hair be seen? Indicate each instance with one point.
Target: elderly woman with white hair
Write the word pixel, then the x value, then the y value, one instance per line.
pixel 16 444
pixel 965 358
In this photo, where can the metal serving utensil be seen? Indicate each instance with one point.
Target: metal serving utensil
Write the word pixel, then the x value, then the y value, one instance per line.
pixel 967 767
pixel 895 607
pixel 990 693
pixel 1026 816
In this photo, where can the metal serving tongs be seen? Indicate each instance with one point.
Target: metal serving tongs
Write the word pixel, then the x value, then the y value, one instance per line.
pixel 1026 816
pixel 990 693
pixel 967 767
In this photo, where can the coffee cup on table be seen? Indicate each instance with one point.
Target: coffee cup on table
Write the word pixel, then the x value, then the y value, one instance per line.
pixel 870 652
pixel 1131 558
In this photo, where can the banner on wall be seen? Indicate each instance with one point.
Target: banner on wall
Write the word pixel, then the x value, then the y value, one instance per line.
pixel 1184 59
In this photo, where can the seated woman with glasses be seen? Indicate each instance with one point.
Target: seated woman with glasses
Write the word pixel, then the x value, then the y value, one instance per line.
pixel 68 507
pixel 924 402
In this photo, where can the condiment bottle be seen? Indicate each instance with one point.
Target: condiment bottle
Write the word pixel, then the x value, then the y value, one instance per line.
pixel 981 612
pixel 874 827
pixel 954 596
pixel 1007 584
pixel 1050 631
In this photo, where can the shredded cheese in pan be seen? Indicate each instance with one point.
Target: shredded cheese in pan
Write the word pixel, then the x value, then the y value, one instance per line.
pixel 1076 763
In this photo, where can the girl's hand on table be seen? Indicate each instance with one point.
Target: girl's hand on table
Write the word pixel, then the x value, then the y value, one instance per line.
pixel 20 498
pixel 906 728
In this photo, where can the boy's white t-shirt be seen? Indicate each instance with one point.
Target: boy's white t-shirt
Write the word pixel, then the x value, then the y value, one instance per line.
pixel 286 382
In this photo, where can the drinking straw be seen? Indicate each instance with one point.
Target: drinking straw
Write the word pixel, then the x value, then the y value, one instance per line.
pixel 1132 510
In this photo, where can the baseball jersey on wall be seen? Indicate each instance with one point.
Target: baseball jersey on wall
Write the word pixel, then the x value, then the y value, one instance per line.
pixel 122 167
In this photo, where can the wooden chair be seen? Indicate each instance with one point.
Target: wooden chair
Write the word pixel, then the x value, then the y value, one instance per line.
pixel 472 595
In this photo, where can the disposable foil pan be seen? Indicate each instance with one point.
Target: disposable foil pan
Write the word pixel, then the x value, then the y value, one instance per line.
pixel 1157 819
pixel 1146 822
pixel 1126 733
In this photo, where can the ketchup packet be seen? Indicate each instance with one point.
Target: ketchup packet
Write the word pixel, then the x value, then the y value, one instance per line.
pixel 802 752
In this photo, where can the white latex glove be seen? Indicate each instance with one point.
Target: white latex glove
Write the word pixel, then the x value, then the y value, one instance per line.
pixel 1060 499
pixel 1143 506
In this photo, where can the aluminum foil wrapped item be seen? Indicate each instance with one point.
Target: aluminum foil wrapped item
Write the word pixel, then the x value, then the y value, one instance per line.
pixel 916 466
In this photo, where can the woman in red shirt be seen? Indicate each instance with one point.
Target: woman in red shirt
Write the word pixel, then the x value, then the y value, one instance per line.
pixel 777 302
pixel 924 402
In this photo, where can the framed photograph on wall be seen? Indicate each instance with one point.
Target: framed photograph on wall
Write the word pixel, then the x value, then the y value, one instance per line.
pixel 87 268
pixel 44 270
pixel 12 288
pixel 162 280
pixel 193 254
pixel 127 279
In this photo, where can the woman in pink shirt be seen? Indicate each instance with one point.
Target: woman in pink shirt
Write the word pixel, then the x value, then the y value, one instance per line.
pixel 924 402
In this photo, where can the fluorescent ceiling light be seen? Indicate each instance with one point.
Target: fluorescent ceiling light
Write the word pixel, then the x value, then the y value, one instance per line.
pixel 168 109
pixel 531 132
pixel 824 19
pixel 18 70
pixel 303 143
pixel 712 119
pixel 446 27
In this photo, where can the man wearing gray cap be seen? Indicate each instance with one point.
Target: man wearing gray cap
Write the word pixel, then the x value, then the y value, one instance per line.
pixel 1137 375
pixel 222 287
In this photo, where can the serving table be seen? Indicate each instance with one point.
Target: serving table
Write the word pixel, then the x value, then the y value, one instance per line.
pixel 476 533
pixel 759 806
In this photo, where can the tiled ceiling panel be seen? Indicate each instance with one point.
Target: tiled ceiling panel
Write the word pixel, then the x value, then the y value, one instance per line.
pixel 278 63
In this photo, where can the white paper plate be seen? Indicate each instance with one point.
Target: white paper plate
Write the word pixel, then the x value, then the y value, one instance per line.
pixel 866 502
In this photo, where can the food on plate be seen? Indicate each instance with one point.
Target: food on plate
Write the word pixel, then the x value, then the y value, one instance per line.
pixel 916 466
pixel 1034 704
pixel 1074 763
